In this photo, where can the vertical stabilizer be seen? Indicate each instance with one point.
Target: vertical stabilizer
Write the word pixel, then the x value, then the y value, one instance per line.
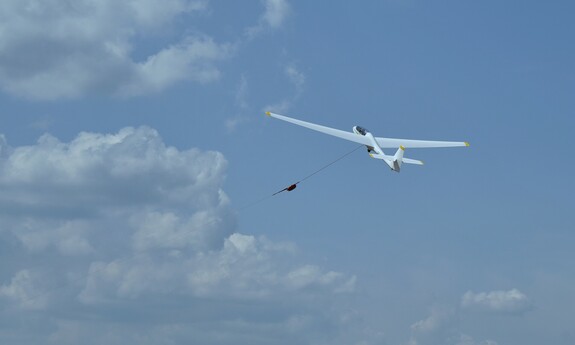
pixel 398 158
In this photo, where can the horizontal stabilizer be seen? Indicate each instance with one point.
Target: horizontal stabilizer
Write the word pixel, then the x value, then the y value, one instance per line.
pixel 390 158
pixel 412 161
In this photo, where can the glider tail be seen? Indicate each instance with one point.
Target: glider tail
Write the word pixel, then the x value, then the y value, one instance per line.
pixel 396 160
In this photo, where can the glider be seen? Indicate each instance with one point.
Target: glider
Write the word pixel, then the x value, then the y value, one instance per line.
pixel 376 145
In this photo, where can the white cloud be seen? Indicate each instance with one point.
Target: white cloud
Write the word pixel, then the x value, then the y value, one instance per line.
pixel 126 232
pixel 441 328
pixel 434 329
pixel 433 322
pixel 276 12
pixel 274 16
pixel 464 339
pixel 296 77
pixel 59 49
pixel 68 237
pixel 292 75
pixel 241 102
pixel 193 59
pixel 511 301
pixel 242 93
pixel 22 288
pixel 297 80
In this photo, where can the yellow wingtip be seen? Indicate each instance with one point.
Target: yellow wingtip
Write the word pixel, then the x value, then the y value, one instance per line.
pixel 402 147
pixel 466 143
pixel 268 113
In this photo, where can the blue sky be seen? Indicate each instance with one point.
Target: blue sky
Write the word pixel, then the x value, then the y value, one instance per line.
pixel 135 145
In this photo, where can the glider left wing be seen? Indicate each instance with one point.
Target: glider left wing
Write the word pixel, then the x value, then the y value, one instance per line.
pixel 327 130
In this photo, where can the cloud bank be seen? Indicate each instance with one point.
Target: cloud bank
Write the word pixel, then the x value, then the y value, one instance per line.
pixel 57 49
pixel 121 239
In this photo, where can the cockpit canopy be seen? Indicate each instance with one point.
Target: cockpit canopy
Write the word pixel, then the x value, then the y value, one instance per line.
pixel 361 130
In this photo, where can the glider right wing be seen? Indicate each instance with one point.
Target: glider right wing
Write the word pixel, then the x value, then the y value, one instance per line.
pixel 327 130
pixel 415 144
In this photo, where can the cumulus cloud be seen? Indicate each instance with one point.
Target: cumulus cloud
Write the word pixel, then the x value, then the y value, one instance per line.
pixel 512 301
pixel 59 49
pixel 121 239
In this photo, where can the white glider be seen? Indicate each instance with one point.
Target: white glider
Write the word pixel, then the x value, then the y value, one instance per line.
pixel 375 145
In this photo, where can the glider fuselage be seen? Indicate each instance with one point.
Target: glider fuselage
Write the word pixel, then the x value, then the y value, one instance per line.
pixel 374 147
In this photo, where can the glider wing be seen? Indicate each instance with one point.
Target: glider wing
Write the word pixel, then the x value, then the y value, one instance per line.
pixel 327 130
pixel 412 144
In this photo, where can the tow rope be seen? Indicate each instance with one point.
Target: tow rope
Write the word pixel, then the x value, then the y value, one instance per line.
pixel 293 186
